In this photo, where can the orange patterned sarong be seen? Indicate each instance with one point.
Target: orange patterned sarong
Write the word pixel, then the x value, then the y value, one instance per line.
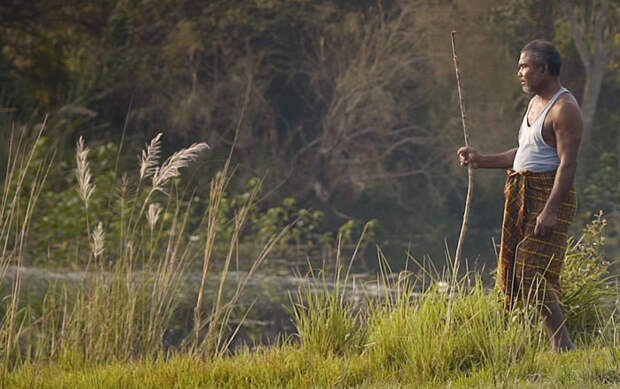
pixel 529 266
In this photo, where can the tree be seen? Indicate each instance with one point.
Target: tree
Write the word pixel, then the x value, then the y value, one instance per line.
pixel 594 31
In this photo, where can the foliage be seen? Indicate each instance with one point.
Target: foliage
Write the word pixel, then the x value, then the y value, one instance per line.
pixel 454 326
pixel 588 286
pixel 602 192
pixel 122 311
pixel 57 230
pixel 347 107
pixel 59 223
pixel 325 322
pixel 603 186
pixel 133 267
pixel 304 226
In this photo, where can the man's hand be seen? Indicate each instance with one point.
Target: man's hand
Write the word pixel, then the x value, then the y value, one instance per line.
pixel 545 222
pixel 468 154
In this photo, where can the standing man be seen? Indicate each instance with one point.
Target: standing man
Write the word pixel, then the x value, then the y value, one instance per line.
pixel 540 198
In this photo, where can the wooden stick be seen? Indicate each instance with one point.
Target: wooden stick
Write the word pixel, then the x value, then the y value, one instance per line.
pixel 470 182
pixel 470 186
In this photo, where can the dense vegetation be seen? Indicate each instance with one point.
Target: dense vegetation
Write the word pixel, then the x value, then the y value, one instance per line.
pixel 422 327
pixel 454 333
pixel 348 107
pixel 304 129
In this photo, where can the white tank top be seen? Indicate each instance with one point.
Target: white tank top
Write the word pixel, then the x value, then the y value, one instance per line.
pixel 534 154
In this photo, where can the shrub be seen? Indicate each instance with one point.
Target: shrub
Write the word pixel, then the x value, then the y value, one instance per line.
pixel 588 290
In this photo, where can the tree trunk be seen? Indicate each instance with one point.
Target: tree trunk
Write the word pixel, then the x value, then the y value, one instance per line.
pixel 592 89
pixel 618 148
pixel 594 36
pixel 542 12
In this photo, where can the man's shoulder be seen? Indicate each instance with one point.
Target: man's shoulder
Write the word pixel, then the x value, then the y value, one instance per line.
pixel 565 115
pixel 565 106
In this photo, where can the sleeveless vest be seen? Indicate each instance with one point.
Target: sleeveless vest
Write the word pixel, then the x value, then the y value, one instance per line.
pixel 534 154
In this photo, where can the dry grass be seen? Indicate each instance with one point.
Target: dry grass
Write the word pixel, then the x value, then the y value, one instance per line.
pixel 123 309
pixel 14 222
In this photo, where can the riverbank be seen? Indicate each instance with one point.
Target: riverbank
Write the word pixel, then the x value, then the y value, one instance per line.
pixel 461 339
pixel 291 366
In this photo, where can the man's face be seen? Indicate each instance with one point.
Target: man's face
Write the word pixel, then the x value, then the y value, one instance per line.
pixel 530 75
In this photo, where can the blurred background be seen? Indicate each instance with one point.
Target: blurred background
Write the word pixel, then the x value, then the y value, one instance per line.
pixel 346 112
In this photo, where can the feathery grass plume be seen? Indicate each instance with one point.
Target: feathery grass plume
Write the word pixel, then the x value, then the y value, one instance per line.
pixel 170 168
pixel 98 240
pixel 162 174
pixel 85 188
pixel 152 215
pixel 150 157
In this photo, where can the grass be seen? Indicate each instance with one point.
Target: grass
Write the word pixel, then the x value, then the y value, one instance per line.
pixel 123 308
pixel 426 330
pixel 460 338
pixel 393 341
pixel 454 361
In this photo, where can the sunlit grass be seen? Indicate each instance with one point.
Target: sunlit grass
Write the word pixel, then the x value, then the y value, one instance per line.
pixel 291 366
pixel 423 329
pixel 123 307
pixel 400 340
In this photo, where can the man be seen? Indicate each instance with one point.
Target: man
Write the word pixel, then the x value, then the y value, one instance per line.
pixel 540 199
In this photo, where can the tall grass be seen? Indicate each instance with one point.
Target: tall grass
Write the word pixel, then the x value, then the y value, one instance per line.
pixel 407 332
pixel 421 327
pixel 327 323
pixel 589 293
pixel 23 180
pixel 428 327
pixel 124 306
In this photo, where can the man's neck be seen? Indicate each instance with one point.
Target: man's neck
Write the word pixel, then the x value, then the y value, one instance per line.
pixel 549 89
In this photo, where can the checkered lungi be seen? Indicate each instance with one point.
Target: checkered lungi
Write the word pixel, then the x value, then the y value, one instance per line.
pixel 529 266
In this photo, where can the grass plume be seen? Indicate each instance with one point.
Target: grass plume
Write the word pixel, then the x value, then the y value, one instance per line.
pixel 149 157
pixel 399 333
pixel 170 168
pixel 82 172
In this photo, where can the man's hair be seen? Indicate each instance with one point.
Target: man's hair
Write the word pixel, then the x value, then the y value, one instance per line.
pixel 545 53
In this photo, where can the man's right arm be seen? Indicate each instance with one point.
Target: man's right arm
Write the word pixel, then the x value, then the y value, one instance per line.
pixel 490 161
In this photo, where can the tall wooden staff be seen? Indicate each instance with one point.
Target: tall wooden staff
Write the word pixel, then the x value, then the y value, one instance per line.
pixel 470 181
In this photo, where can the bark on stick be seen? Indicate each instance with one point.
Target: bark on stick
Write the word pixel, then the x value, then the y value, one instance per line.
pixel 470 182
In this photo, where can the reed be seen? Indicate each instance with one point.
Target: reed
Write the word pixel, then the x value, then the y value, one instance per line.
pixel 24 179
pixel 123 307
pixel 121 313
pixel 398 339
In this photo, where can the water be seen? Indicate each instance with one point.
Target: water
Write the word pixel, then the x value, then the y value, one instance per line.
pixel 267 295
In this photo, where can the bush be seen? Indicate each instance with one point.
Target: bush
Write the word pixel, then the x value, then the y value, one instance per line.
pixel 587 283
pixel 59 223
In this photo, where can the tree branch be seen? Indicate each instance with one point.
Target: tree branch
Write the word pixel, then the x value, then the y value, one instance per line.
pixel 599 23
pixel 578 35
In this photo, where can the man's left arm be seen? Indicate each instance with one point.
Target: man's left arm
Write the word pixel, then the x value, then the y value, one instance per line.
pixel 567 127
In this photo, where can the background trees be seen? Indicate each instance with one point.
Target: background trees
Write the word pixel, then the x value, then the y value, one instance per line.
pixel 348 106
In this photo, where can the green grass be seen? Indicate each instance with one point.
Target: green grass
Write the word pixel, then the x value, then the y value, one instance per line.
pixel 393 341
pixel 426 330
pixel 290 366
